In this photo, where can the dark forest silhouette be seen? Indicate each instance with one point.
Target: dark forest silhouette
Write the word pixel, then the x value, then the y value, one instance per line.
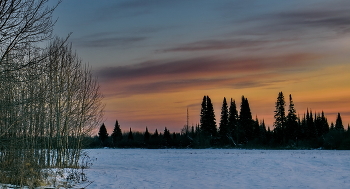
pixel 290 131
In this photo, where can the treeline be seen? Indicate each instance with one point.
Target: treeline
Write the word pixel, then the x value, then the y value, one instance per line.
pixel 239 130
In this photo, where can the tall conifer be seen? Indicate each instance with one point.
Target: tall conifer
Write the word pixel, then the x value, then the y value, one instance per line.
pixel 233 119
pixel 223 129
pixel 280 119
pixel 208 123
pixel 292 121
pixel 130 135
pixel 246 123
pixel 102 134
pixel 146 135
pixel 339 123
pixel 117 133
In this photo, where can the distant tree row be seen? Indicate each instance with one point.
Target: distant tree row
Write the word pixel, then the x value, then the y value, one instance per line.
pixel 135 139
pixel 240 130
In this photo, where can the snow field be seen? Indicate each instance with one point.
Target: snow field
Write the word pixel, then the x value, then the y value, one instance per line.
pixel 218 168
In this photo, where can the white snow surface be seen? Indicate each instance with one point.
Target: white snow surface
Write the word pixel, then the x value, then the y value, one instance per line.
pixel 218 168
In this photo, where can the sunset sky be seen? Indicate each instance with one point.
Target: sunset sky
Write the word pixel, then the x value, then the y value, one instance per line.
pixel 156 58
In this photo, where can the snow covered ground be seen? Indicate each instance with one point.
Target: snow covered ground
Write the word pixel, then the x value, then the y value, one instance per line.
pixel 218 168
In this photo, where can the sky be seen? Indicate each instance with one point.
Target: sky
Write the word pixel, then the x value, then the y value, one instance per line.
pixel 154 59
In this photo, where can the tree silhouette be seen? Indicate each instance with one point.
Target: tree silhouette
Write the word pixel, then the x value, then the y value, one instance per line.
pixel 233 120
pixel 339 123
pixel 117 134
pixel 292 125
pixel 208 123
pixel 256 129
pixel 245 127
pixel 146 135
pixel 102 134
pixel 155 135
pixel 130 135
pixel 166 136
pixel 280 119
pixel 311 128
pixel 223 128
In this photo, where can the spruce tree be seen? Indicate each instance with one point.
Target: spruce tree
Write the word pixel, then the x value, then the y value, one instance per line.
pixel 117 134
pixel 339 123
pixel 166 136
pixel 211 118
pixel 256 129
pixel 292 121
pixel 325 125
pixel 280 119
pixel 207 121
pixel 203 115
pixel 318 124
pixel 312 132
pixel 223 129
pixel 102 134
pixel 233 120
pixel 246 123
pixel 130 135
pixel 155 135
pixel 263 137
pixel 146 135
pixel 303 128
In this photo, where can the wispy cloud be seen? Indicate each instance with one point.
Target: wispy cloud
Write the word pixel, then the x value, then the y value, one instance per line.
pixel 131 8
pixel 337 20
pixel 132 4
pixel 217 45
pixel 312 18
pixel 101 40
pixel 199 73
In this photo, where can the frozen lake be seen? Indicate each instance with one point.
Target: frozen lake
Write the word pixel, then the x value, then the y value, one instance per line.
pixel 218 168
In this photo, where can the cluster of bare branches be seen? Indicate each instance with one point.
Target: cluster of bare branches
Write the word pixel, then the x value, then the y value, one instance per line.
pixel 49 100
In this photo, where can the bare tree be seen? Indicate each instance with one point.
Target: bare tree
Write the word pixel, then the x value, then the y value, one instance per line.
pixel 23 23
pixel 49 100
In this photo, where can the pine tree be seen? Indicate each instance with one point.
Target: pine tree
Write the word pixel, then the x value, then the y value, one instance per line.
pixel 211 118
pixel 303 128
pixel 256 129
pixel 155 135
pixel 203 116
pixel 146 135
pixel 280 119
pixel 223 129
pixel 292 121
pixel 102 134
pixel 208 123
pixel 233 120
pixel 246 123
pixel 166 136
pixel 339 123
pixel 130 135
pixel 117 134
pixel 325 125
pixel 318 124
pixel 312 132
pixel 263 137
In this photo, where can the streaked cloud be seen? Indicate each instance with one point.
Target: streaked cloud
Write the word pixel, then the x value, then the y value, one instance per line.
pixel 105 40
pixel 327 17
pixel 203 72
pixel 217 45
